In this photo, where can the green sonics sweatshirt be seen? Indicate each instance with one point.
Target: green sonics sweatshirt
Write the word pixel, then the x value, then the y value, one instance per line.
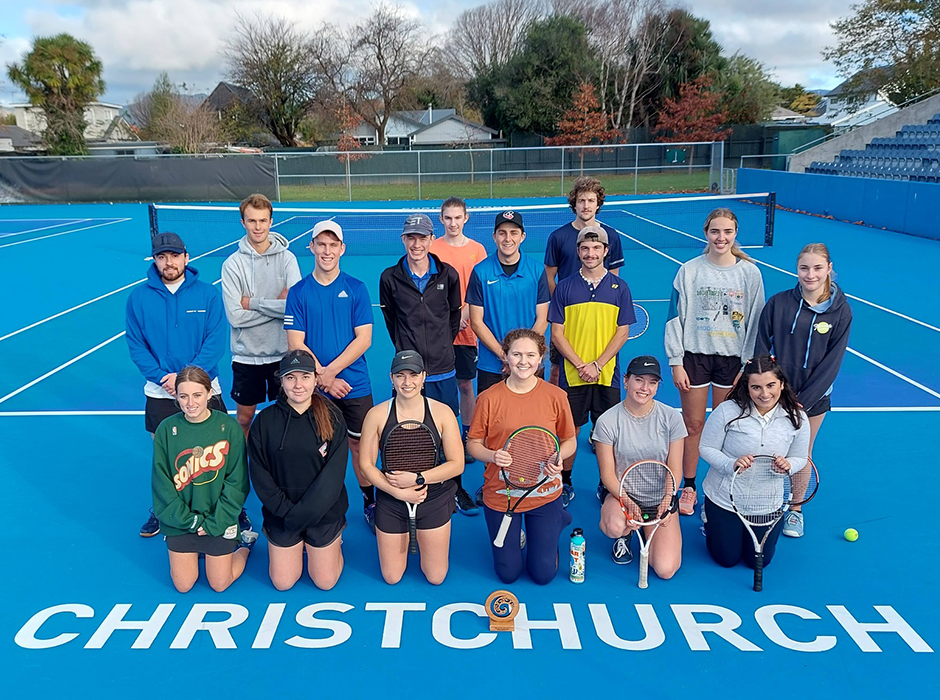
pixel 200 475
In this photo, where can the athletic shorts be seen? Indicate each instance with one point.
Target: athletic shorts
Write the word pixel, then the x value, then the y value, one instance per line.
pixel 200 544
pixel 445 391
pixel 354 412
pixel 590 401
pixel 820 407
pixel 465 357
pixel 554 356
pixel 254 384
pixel 391 515
pixel 717 370
pixel 157 410
pixel 320 535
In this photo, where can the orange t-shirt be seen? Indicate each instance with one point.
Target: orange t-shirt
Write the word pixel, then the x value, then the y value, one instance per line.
pixel 498 413
pixel 463 259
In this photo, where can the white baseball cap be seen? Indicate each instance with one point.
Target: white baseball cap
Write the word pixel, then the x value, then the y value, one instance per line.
pixel 328 225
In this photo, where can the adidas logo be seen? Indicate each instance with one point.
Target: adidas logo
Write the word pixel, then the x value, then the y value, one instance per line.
pixel 342 295
pixel 295 361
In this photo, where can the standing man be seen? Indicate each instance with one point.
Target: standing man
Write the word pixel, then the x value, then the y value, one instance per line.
pixel 591 312
pixel 255 280
pixel 462 254
pixel 420 298
pixel 561 252
pixel 171 321
pixel 329 315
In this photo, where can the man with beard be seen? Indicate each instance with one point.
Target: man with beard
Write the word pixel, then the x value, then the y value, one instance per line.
pixel 173 320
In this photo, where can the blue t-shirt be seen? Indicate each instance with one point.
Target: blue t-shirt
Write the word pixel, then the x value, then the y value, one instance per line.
pixel 508 301
pixel 328 315
pixel 421 282
pixel 561 251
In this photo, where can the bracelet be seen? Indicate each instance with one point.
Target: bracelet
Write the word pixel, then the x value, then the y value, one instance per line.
pixel 596 366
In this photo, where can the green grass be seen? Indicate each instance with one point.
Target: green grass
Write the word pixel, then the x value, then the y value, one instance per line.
pixel 648 183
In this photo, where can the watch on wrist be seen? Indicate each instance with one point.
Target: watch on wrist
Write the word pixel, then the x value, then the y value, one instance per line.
pixel 419 479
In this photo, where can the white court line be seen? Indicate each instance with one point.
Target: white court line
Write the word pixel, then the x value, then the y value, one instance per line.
pixel 65 233
pixel 854 352
pixel 149 258
pixel 68 222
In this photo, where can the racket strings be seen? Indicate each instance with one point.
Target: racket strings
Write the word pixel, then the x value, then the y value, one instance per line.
pixel 410 448
pixel 647 490
pixel 531 451
pixel 759 493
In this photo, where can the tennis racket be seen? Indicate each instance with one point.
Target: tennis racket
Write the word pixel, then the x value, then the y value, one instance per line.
pixel 647 496
pixel 410 447
pixel 532 449
pixel 803 485
pixel 638 327
pixel 759 494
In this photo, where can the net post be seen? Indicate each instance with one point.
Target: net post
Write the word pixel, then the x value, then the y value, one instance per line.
pixel 419 173
pixel 152 214
pixel 277 180
pixel 771 211
pixel 636 168
pixel 491 173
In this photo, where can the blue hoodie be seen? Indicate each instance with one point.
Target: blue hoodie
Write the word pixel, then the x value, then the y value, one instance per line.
pixel 166 332
pixel 809 342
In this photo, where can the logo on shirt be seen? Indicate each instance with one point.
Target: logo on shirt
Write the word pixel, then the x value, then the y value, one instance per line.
pixel 342 295
pixel 822 327
pixel 440 286
pixel 323 449
pixel 199 465
pixel 492 281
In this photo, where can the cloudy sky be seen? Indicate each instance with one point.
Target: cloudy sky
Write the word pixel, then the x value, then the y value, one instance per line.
pixel 136 39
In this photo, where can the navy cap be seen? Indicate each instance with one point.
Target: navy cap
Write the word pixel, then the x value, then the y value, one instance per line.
pixel 167 243
pixel 645 364
pixel 509 216
pixel 407 359
pixel 297 363
pixel 418 224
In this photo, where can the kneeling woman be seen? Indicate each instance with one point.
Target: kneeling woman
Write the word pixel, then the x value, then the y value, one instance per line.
pixel 200 483
pixel 637 429
pixel 434 489
pixel 761 416
pixel 297 452
pixel 520 401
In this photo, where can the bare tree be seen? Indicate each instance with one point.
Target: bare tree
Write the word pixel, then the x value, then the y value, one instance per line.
pixel 276 61
pixel 488 35
pixel 186 127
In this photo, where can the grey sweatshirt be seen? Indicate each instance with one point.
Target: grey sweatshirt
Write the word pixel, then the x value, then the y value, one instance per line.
pixel 258 335
pixel 714 310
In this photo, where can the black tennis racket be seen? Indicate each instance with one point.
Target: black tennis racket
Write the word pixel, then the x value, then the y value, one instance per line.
pixel 532 449
pixel 410 447
pixel 759 494
pixel 647 496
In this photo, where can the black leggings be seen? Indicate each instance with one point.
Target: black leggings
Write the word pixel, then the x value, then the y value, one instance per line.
pixel 729 542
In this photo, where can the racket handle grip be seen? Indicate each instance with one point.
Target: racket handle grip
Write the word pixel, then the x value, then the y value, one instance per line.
pixel 503 531
pixel 644 569
pixel 412 535
pixel 759 571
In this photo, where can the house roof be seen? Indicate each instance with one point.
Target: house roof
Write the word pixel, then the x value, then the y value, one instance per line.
pixel 226 94
pixel 457 118
pixel 426 117
pixel 21 138
pixel 867 80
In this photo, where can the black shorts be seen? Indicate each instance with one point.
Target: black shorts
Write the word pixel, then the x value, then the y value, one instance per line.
pixel 591 400
pixel 717 370
pixel 254 384
pixel 321 535
pixel 465 358
pixel 200 544
pixel 391 515
pixel 354 412
pixel 158 410
pixel 487 379
pixel 554 356
pixel 820 407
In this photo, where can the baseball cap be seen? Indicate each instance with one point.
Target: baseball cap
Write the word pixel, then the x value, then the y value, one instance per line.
pixel 509 216
pixel 167 243
pixel 296 363
pixel 595 233
pixel 645 364
pixel 328 225
pixel 418 224
pixel 407 359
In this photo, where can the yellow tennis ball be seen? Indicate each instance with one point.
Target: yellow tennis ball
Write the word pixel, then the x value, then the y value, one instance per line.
pixel 851 534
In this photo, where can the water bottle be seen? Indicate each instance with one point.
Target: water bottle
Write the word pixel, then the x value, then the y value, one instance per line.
pixel 577 556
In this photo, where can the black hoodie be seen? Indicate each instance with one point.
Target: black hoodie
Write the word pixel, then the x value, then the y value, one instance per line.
pixel 808 345
pixel 297 475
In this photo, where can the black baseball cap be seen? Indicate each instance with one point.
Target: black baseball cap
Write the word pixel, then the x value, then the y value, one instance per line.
pixel 296 363
pixel 509 216
pixel 407 359
pixel 645 364
pixel 167 243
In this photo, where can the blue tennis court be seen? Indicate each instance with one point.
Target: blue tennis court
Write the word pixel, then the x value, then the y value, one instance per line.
pixel 91 611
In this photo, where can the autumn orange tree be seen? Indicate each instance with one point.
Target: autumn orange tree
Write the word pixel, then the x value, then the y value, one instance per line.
pixel 347 144
pixel 583 124
pixel 693 116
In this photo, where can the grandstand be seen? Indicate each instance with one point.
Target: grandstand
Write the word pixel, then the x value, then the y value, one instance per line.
pixel 912 154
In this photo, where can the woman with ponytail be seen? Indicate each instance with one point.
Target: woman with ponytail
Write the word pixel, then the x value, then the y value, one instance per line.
pixel 807 329
pixel 297 451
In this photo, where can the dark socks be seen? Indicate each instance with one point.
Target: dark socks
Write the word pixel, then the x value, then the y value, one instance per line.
pixel 566 477
pixel 689 482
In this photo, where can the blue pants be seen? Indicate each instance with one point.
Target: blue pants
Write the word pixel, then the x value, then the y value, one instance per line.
pixel 444 391
pixel 728 540
pixel 543 526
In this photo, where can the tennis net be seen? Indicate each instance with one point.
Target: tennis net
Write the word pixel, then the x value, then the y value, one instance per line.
pixel 658 223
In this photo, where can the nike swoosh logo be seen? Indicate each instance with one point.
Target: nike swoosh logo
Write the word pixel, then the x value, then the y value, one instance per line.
pixel 492 281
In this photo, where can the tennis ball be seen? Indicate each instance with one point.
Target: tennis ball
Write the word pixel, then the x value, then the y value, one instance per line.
pixel 851 534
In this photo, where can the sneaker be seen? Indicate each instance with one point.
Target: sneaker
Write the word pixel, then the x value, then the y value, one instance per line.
pixel 478 497
pixel 793 524
pixel 248 539
pixel 243 522
pixel 151 527
pixel 465 504
pixel 369 514
pixel 601 492
pixel 521 539
pixel 621 553
pixel 567 494
pixel 687 501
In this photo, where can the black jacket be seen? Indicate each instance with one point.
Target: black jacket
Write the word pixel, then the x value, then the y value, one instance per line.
pixel 426 322
pixel 297 475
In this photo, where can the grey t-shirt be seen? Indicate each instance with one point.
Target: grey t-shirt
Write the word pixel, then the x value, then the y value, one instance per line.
pixel 635 439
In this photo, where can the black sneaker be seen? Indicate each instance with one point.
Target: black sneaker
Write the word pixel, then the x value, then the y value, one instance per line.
pixel 151 527
pixel 567 494
pixel 621 553
pixel 602 492
pixel 243 522
pixel 369 513
pixel 465 504
pixel 478 497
